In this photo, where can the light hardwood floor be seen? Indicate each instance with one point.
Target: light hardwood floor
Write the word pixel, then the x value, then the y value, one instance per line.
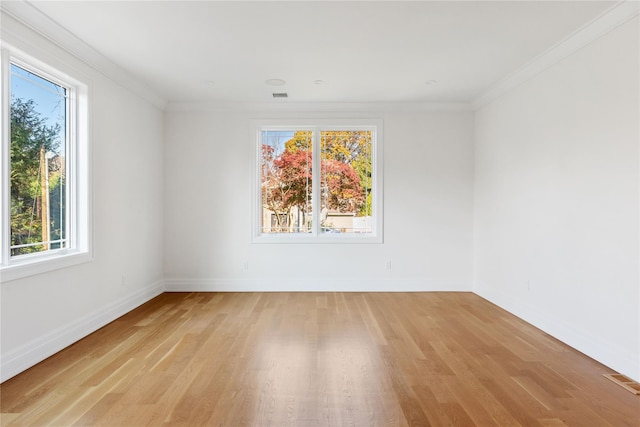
pixel 317 359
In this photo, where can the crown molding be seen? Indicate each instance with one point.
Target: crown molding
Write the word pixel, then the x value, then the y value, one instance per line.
pixel 31 17
pixel 320 107
pixel 617 15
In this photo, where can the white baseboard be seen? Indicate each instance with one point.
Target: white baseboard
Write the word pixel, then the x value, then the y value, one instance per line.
pixel 35 351
pixel 316 285
pixel 24 357
pixel 606 352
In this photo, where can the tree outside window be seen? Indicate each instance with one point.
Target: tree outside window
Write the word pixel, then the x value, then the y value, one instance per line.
pixel 337 198
pixel 37 163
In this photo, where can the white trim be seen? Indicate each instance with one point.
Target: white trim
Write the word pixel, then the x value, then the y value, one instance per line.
pixel 606 352
pixel 5 166
pixel 316 193
pixel 43 264
pixel 286 106
pixel 30 16
pixel 615 16
pixel 33 352
pixel 314 284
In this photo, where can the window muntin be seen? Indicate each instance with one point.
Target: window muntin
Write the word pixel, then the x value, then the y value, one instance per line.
pixel 319 183
pixel 57 108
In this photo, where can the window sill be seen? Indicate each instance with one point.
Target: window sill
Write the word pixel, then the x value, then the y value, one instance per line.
pixel 300 238
pixel 40 265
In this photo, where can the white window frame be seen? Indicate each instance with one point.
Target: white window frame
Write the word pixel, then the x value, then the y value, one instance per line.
pixel 78 249
pixel 317 126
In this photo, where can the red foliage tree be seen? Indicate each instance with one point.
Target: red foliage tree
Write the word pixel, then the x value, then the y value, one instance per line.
pixel 275 191
pixel 287 180
pixel 294 172
pixel 341 188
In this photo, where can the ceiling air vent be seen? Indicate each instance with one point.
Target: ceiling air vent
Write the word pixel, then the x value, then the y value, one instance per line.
pixel 280 95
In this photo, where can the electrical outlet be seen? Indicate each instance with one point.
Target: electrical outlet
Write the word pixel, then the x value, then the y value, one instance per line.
pixel 388 264
pixel 245 265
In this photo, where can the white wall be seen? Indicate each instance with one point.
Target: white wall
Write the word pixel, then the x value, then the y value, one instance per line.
pixel 556 200
pixel 427 209
pixel 44 313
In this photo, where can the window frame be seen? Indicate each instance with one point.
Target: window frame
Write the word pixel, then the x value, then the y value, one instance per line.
pixel 317 126
pixel 77 163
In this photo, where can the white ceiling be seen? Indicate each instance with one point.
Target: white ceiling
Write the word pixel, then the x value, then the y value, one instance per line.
pixel 192 51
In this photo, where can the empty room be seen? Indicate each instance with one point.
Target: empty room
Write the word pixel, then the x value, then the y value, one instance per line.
pixel 320 213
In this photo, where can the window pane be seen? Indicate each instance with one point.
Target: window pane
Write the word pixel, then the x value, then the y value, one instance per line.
pixel 37 166
pixel 286 181
pixel 345 182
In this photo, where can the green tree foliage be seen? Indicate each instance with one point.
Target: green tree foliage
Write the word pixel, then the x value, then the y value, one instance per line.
pixel 301 141
pixel 30 138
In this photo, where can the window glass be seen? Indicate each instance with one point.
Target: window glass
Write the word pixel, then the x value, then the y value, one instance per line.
pixel 320 182
pixel 345 181
pixel 286 187
pixel 38 169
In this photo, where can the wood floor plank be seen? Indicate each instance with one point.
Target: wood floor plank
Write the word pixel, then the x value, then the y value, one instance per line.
pixel 317 359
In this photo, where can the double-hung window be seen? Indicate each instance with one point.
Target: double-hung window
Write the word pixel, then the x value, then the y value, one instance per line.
pixel 45 219
pixel 318 181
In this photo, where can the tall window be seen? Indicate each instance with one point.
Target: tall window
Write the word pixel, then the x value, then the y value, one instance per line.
pixel 38 169
pixel 319 183
pixel 44 167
